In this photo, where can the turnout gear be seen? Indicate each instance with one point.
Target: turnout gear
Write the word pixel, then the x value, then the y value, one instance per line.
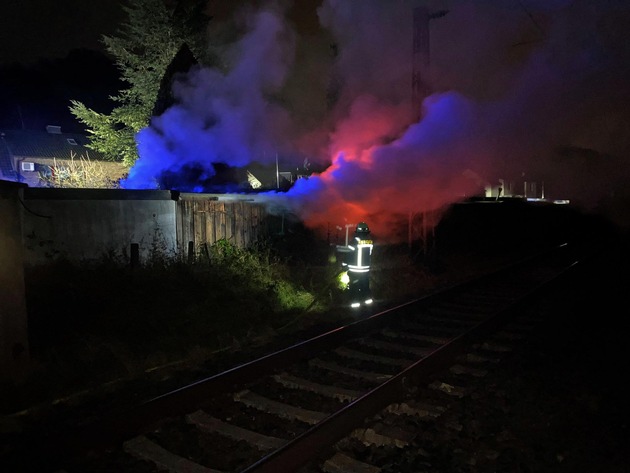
pixel 357 260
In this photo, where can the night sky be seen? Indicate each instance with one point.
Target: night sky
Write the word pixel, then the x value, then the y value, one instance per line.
pixel 31 30
pixel 534 90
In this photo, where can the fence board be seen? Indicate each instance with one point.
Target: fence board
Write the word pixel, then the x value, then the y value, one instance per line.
pixel 206 221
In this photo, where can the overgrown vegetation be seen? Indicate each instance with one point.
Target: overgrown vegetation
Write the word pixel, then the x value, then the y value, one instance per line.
pixel 94 322
pixel 78 172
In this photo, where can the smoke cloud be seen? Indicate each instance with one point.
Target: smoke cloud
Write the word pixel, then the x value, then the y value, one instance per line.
pixel 522 91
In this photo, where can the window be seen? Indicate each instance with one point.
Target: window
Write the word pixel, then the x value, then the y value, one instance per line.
pixel 72 141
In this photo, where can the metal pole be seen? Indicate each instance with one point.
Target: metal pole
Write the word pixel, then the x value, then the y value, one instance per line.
pixel 348 225
pixel 409 231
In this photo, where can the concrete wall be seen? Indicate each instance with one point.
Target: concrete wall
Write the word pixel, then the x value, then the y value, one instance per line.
pixel 14 351
pixel 88 224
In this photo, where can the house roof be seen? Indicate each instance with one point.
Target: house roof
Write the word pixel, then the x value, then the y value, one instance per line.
pixel 50 144
pixel 6 166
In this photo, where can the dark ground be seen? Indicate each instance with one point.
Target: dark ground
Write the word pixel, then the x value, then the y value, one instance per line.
pixel 559 404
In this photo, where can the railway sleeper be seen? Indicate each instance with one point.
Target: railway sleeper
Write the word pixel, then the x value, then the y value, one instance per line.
pixel 280 409
pixel 477 358
pixel 329 391
pixel 384 360
pixel 381 435
pixel 451 390
pixel 416 409
pixel 450 321
pixel 144 449
pixel 457 310
pixel 336 368
pixel 207 423
pixel 510 335
pixel 435 340
pixel 341 463
pixel 424 328
pixel 395 347
pixel 461 369
pixel 492 347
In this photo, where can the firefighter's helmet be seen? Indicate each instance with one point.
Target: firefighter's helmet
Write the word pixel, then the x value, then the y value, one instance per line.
pixel 362 229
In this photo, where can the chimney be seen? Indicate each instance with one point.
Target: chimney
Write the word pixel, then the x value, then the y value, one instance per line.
pixel 53 129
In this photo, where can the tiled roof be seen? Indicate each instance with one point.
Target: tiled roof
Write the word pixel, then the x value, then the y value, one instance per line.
pixel 6 168
pixel 42 144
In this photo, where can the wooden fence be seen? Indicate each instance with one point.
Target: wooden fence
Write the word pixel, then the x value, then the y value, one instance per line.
pixel 203 220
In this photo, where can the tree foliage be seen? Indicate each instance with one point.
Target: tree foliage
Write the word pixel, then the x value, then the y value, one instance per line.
pixel 143 48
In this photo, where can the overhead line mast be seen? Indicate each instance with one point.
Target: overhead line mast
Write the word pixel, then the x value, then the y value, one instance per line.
pixel 421 56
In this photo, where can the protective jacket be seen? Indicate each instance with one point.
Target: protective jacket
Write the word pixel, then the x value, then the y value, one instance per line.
pixel 357 260
pixel 360 255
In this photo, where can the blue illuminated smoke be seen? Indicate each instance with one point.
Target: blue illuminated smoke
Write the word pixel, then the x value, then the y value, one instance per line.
pixel 220 121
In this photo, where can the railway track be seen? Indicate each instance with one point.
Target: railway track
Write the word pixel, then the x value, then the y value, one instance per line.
pixel 348 400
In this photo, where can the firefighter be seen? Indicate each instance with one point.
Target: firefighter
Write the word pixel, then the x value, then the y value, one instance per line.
pixel 358 255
